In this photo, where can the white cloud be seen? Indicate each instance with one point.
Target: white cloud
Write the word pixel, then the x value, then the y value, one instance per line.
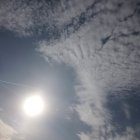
pixel 6 131
pixel 105 55
pixel 129 134
pixel 28 17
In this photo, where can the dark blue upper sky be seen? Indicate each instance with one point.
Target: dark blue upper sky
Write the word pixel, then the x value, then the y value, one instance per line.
pixel 19 60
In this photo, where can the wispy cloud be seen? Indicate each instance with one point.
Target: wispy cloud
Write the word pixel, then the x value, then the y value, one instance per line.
pixel 105 55
pixel 6 131
pixel 129 134
pixel 41 17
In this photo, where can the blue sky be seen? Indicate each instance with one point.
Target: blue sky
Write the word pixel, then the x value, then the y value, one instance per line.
pixel 83 55
pixel 24 69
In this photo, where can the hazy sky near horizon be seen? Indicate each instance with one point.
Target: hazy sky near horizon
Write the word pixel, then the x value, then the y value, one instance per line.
pixel 85 58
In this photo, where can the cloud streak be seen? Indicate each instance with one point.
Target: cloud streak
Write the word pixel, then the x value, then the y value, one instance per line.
pixel 6 131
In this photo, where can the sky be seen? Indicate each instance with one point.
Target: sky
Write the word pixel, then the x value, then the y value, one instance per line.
pixel 84 56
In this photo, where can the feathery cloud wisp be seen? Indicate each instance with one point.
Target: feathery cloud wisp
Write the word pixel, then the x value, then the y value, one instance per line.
pixel 6 131
pixel 105 55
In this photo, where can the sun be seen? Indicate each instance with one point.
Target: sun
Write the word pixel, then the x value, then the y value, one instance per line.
pixel 33 105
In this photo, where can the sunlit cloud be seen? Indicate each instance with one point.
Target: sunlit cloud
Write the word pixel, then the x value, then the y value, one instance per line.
pixel 105 56
pixel 6 131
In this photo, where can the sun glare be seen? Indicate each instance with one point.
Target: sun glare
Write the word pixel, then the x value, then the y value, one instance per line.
pixel 33 105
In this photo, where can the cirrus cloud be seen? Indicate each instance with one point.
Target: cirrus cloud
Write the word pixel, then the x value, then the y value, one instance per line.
pixel 6 131
pixel 99 39
pixel 105 54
